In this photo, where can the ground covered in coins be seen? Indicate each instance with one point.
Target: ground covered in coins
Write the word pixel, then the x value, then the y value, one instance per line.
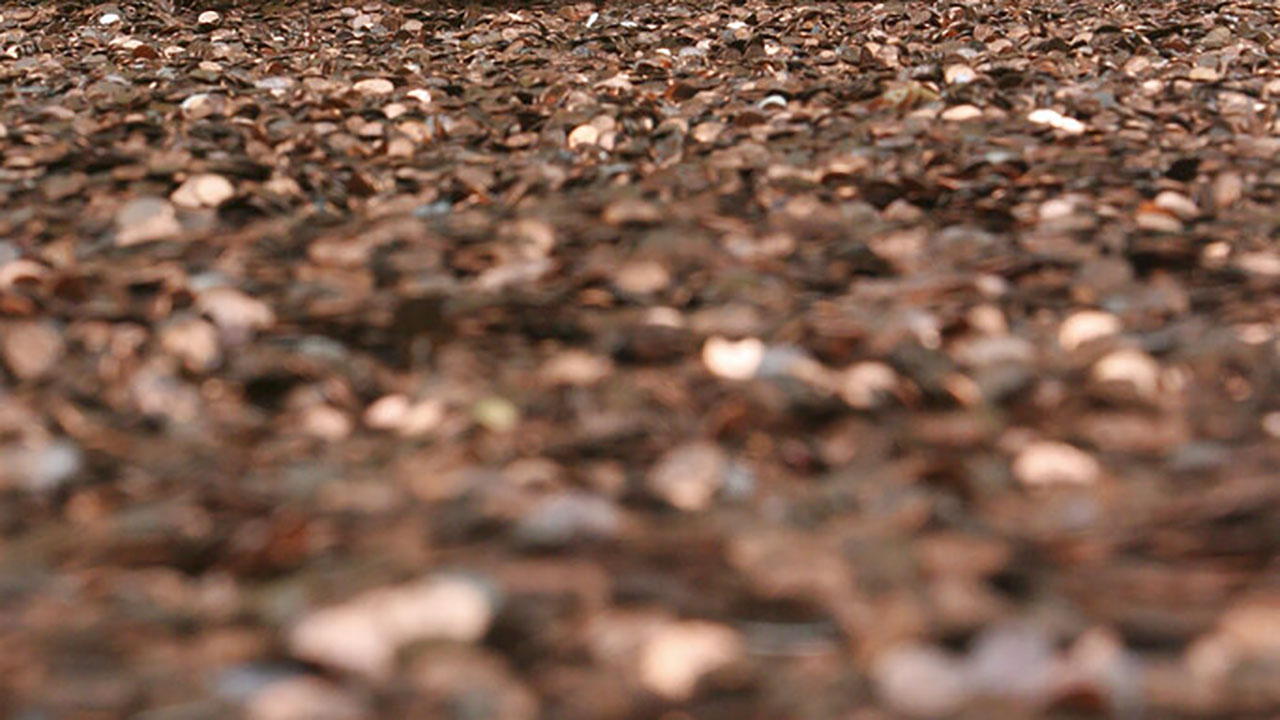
pixel 686 359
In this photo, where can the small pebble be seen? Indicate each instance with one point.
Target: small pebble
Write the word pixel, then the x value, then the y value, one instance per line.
pixel 733 360
pixel 1057 121
pixel 1158 220
pixel 920 681
pixel 1016 661
pixel 575 368
pixel 235 313
pixel 1046 463
pixel 387 412
pixel 688 477
pixel 198 106
pixel 680 654
pixel 194 340
pixel 40 467
pixel 1132 368
pixel 496 414
pixel 324 422
pixel 30 349
pixel 363 634
pixel 374 87
pixel 868 384
pixel 208 19
pixel 961 113
pixel 1085 326
pixel 1181 206
pixel 146 219
pixel 958 74
pixel 584 135
pixel 1228 189
pixel 642 277
pixel 205 190
pixel 570 517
